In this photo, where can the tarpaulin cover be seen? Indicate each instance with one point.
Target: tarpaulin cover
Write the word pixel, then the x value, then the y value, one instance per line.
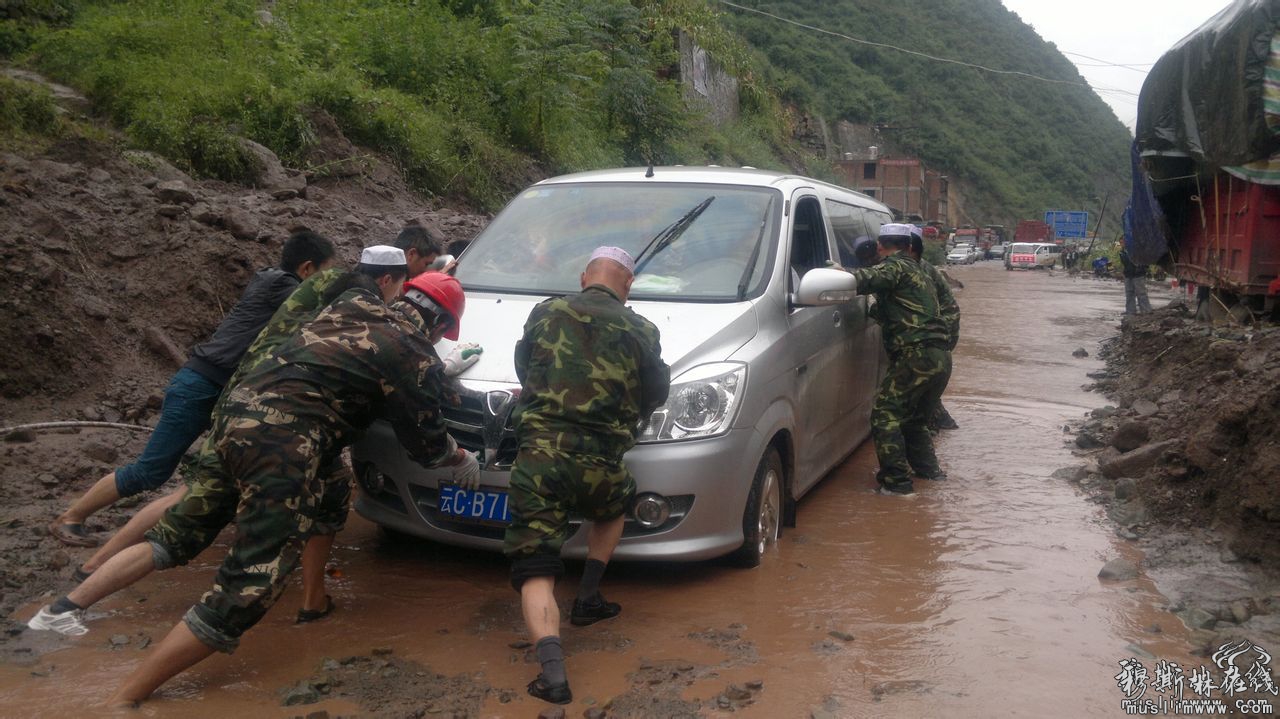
pixel 1145 228
pixel 1204 98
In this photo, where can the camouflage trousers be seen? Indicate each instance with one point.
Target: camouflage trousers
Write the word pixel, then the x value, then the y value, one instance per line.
pixel 900 416
pixel 546 486
pixel 274 462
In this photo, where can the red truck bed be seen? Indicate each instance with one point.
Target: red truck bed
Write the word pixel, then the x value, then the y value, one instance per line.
pixel 1237 247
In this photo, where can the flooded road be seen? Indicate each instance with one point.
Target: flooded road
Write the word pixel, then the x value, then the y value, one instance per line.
pixel 979 597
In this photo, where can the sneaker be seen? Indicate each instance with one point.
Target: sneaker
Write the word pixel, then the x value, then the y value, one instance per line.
pixel 68 624
pixel 896 490
pixel 593 610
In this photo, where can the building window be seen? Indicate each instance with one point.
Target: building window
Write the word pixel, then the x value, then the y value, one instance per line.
pixel 870 193
pixel 868 170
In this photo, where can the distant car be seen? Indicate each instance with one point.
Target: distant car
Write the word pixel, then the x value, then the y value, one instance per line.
pixel 997 252
pixel 962 254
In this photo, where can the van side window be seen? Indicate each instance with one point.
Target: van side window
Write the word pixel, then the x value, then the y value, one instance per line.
pixel 846 224
pixel 808 238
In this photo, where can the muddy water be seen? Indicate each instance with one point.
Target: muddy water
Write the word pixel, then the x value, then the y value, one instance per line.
pixel 977 598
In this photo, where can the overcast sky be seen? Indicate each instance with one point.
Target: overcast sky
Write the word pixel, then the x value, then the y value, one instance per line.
pixel 1131 32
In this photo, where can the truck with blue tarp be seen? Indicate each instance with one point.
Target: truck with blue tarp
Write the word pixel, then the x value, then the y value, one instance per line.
pixel 1205 201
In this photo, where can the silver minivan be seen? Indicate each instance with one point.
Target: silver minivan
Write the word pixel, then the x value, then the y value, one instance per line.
pixel 774 360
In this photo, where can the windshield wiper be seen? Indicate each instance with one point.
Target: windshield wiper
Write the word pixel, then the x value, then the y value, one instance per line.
pixel 670 234
pixel 751 261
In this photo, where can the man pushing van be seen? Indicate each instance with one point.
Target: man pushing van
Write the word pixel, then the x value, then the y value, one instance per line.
pixel 918 341
pixel 591 370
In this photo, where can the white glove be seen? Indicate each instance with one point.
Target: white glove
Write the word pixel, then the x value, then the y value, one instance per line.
pixel 461 357
pixel 466 471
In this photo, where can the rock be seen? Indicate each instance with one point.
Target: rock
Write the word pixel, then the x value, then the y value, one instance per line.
pixel 382 651
pixel 1086 440
pixel 1197 618
pixel 21 436
pixel 204 214
pixel 1129 513
pixel 47 479
pixel 1080 352
pixel 174 192
pixel 1118 570
pixel 92 306
pixel 1130 435
pixel 353 223
pixel 842 636
pixel 98 174
pixel 1071 474
pixel 1133 464
pixel 322 714
pixel 171 211
pixel 303 693
pixel 755 684
pixel 157 341
pixel 239 223
pixel 100 452
pixel 1145 407
pixel 118 640
pixel 1171 397
pixel 1201 450
pixel 737 693
pixel 593 713
pixel 520 644
pixel 1125 488
pixel 551 713
pixel 59 560
pixel 723 702
pixel 1103 412
pixel 1138 652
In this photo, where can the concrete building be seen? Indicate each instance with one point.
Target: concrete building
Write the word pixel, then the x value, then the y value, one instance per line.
pixel 903 183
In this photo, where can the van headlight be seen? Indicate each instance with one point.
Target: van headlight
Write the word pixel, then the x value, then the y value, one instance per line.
pixel 702 403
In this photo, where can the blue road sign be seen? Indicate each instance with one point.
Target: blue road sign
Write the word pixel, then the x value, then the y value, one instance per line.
pixel 1068 225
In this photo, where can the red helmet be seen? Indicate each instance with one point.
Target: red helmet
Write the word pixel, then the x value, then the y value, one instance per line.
pixel 440 293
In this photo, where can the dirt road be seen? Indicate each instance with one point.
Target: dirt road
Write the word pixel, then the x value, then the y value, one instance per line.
pixel 977 598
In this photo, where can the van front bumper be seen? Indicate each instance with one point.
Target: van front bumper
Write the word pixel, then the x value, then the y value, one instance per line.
pixel 706 480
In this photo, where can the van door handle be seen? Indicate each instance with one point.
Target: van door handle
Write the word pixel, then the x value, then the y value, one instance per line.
pixel 836 319
pixel 802 368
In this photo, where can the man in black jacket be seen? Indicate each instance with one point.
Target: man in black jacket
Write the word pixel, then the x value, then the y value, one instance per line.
pixel 192 392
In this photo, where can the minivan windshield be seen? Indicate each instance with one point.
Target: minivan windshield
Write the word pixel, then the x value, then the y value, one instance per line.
pixel 1022 248
pixel 542 240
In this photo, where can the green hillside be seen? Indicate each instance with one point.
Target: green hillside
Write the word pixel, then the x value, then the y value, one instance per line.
pixel 474 98
pixel 1023 145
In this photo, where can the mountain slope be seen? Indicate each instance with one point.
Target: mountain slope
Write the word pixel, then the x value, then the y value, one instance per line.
pixel 1023 145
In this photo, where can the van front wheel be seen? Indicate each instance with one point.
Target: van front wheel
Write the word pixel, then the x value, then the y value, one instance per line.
pixel 762 518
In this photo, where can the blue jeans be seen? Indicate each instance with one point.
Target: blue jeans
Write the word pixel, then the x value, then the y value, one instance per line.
pixel 188 402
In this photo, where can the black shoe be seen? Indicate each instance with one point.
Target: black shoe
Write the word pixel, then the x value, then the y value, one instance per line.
pixel 899 489
pixel 593 610
pixel 554 693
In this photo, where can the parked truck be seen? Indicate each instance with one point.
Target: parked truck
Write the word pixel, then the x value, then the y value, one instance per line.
pixel 1032 231
pixel 1206 163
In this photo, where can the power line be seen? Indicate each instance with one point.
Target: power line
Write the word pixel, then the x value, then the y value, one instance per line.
pixel 917 53
pixel 1134 66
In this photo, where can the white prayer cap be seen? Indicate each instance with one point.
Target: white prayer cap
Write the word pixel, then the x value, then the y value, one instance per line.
pixel 617 254
pixel 383 256
pixel 894 229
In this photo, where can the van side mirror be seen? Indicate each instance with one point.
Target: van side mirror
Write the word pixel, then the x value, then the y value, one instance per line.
pixel 825 286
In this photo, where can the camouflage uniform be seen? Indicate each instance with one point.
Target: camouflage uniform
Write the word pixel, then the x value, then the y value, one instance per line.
pixel 916 339
pixel 209 505
pixel 591 369
pixel 358 360
pixel 950 310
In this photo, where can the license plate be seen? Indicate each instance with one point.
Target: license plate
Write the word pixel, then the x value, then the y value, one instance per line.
pixel 476 505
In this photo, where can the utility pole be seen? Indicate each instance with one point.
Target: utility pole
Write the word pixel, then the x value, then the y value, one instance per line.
pixel 1105 196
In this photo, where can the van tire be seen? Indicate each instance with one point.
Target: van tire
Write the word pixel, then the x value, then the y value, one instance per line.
pixel 763 514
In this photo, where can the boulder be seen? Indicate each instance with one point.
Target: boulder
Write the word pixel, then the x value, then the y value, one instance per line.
pixel 1130 435
pixel 1134 463
pixel 240 224
pixel 174 192
pixel 1145 407
pixel 1118 570
pixel 1080 352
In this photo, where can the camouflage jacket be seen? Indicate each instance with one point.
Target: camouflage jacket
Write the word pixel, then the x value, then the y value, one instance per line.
pixel 907 304
pixel 946 303
pixel 358 360
pixel 299 308
pixel 591 369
